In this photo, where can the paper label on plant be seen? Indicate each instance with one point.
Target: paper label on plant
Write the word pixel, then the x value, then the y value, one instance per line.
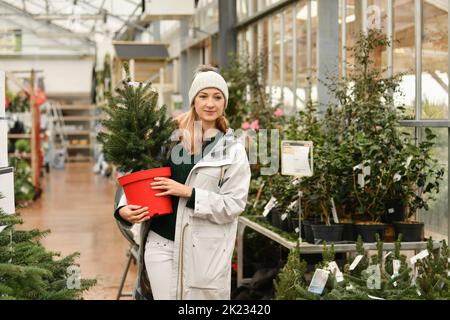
pixel 356 262
pixel 269 206
pixel 408 161
pixel 396 266
pixel 333 210
pixel 284 216
pixel 397 177
pixel 394 283
pixel 375 298
pixel 387 255
pixel 2 228
pixel 349 287
pixel 318 282
pixel 334 268
pixel 374 279
pixel 293 204
pixel 422 254
pixel 297 230
pixel 418 292
pixel 391 210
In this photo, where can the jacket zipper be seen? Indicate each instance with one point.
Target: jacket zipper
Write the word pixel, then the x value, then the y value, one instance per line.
pixel 180 277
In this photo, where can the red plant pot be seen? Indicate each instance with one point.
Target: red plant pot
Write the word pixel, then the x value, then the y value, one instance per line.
pixel 138 190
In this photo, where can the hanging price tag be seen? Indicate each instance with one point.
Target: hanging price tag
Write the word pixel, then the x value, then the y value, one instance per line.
pixel 355 262
pixel 318 281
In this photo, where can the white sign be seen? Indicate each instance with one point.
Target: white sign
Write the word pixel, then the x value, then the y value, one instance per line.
pixel 334 268
pixel 297 158
pixel 333 210
pixel 269 206
pixel 7 190
pixel 318 281
pixel 356 262
pixel 3 143
pixel 2 94
pixel 422 254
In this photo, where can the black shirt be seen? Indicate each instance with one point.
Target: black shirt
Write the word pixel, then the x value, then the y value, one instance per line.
pixel 165 225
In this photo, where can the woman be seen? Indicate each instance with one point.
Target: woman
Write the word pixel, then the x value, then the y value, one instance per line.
pixel 187 254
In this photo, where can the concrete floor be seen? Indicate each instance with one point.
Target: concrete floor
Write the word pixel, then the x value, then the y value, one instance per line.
pixel 77 206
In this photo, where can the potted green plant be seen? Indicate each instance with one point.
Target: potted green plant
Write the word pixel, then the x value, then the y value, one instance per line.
pixel 369 133
pixel 135 134
pixel 420 176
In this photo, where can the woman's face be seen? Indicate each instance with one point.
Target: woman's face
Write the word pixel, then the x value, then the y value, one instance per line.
pixel 209 104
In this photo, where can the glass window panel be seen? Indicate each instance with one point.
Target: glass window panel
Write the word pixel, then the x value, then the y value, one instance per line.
pixel 302 67
pixel 377 18
pixel 314 35
pixel 435 61
pixel 288 101
pixel 242 9
pixel 404 54
pixel 276 46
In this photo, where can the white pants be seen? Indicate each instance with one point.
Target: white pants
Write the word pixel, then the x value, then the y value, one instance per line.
pixel 158 257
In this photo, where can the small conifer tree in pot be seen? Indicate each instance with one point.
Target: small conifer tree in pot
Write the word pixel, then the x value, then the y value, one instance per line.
pixel 135 136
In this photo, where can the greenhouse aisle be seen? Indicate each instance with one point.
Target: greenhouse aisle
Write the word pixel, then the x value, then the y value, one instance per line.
pixel 76 205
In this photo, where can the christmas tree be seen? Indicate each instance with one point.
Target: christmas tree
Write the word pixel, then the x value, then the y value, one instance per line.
pixel 290 283
pixel 136 129
pixel 29 271
pixel 433 280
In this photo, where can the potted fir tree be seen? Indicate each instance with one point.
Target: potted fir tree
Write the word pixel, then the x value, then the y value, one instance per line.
pixel 134 139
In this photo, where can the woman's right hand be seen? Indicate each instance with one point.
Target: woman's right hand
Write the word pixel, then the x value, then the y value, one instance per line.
pixel 134 214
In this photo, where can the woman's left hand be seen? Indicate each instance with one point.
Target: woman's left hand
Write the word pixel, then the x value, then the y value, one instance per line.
pixel 172 188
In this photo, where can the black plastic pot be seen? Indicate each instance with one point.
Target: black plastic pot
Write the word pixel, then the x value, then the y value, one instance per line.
pixel 276 217
pixel 276 220
pixel 368 231
pixel 293 223
pixel 411 232
pixel 348 234
pixel 395 211
pixel 308 234
pixel 332 233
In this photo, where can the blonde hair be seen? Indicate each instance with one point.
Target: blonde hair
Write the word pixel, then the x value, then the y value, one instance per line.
pixel 191 134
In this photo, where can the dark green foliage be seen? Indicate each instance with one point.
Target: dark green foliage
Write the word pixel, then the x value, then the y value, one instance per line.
pixel 136 129
pixel 432 273
pixel 29 271
pixel 290 283
pixel 23 182
pixel 22 145
pixel 18 103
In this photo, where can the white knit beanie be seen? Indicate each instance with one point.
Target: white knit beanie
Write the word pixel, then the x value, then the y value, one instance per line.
pixel 208 79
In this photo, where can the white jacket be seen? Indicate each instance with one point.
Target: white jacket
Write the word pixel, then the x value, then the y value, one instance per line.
pixel 205 236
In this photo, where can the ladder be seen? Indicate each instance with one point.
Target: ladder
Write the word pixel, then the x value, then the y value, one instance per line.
pixel 57 139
